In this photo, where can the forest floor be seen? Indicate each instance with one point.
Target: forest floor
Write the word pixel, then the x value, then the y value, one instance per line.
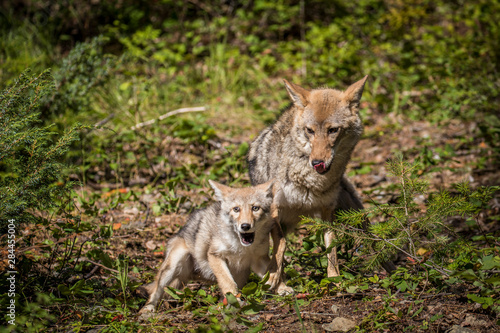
pixel 141 235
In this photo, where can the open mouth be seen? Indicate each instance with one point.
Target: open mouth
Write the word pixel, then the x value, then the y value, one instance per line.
pixel 320 168
pixel 247 238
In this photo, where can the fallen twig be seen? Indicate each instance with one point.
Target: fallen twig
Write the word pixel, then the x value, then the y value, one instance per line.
pixel 92 272
pixel 105 120
pixel 436 295
pixel 169 114
pixel 317 314
pixel 98 264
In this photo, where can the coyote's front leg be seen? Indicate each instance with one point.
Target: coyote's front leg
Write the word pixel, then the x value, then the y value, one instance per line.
pixel 222 274
pixel 276 274
pixel 225 279
pixel 333 263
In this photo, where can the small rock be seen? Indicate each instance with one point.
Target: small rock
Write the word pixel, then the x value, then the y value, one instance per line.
pixel 335 308
pixel 131 211
pixel 470 320
pixel 340 324
pixel 420 199
pixel 148 198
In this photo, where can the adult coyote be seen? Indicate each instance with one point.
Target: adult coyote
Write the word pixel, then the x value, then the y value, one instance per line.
pixel 306 152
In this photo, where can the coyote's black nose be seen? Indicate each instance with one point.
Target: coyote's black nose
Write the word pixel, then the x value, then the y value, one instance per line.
pixel 316 162
pixel 245 227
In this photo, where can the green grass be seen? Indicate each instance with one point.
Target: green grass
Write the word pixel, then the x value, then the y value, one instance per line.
pixel 22 47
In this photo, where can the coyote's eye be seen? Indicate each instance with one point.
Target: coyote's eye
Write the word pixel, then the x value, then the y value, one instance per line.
pixel 310 130
pixel 236 209
pixel 333 130
pixel 255 208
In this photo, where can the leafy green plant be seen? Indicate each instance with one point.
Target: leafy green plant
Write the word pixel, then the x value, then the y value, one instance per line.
pixel 206 305
pixel 122 277
pixel 484 274
pixel 37 53
pixel 419 234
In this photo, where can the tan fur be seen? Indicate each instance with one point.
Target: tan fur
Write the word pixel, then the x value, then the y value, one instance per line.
pixel 214 244
pixel 306 151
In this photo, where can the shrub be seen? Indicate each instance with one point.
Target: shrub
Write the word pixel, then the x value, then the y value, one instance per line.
pixel 84 69
pixel 30 162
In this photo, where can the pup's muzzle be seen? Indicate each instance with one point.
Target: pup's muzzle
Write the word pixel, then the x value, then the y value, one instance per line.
pixel 246 237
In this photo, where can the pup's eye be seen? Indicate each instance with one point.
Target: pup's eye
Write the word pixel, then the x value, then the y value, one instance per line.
pixel 255 208
pixel 310 130
pixel 333 130
pixel 236 209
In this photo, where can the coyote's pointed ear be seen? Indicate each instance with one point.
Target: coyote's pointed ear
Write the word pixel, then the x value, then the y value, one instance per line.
pixel 220 190
pixel 299 95
pixel 352 95
pixel 267 187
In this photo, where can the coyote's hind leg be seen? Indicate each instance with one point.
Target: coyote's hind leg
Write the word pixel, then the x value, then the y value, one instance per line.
pixel 175 268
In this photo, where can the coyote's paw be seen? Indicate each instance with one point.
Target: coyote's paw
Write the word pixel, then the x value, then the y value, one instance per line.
pixel 284 290
pixel 274 280
pixel 148 308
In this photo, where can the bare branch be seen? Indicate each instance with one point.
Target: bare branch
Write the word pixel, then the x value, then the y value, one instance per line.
pixel 169 114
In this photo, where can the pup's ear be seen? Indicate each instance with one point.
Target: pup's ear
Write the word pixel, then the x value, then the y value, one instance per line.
pixel 220 190
pixel 299 95
pixel 267 188
pixel 352 95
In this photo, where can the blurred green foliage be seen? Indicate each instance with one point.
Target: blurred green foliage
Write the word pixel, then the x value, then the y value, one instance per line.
pixel 434 60
pixel 430 59
pixel 85 68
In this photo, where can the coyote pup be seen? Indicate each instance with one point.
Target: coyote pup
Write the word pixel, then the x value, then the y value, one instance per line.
pixel 306 151
pixel 220 243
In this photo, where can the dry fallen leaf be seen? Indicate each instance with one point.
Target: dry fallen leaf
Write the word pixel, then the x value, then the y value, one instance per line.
pixel 421 251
